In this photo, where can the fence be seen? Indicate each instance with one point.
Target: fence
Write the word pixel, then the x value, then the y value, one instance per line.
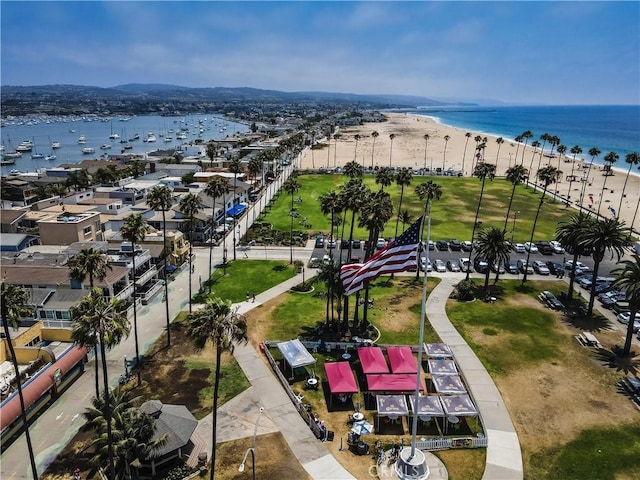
pixel 445 443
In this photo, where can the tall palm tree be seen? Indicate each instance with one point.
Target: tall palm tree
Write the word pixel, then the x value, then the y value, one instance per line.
pixel 13 307
pixel 330 204
pixel 546 175
pixel 444 153
pixel 570 234
pixel 594 152
pixel 518 140
pixel 562 149
pixel 384 177
pixel 375 135
pixel 516 175
pixel 428 191
pixel 426 145
pixel 212 151
pixel 610 158
pixel 353 194
pixel 633 159
pixel 499 141
pixel 576 150
pixel 605 235
pixel 161 198
pixel 98 321
pixel 356 137
pixel 218 187
pixel 535 144
pixel 628 279
pixel 189 206
pixel 391 137
pixel 482 171
pixel 219 324
pixel 134 230
pixel 94 264
pixel 403 179
pixel 526 135
pixel 353 170
pixel 493 247
pixel 405 218
pixel 291 186
pixel 464 153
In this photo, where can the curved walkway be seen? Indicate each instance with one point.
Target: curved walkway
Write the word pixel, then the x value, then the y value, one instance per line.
pixel 504 458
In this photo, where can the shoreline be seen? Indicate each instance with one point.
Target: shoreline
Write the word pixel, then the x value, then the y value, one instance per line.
pixel 409 148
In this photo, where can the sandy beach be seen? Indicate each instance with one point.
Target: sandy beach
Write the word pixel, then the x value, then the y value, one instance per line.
pixel 407 149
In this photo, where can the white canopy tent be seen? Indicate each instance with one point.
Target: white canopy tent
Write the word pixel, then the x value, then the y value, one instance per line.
pixel 295 354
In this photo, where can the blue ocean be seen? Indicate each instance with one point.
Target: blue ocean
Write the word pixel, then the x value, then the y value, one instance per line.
pixel 609 128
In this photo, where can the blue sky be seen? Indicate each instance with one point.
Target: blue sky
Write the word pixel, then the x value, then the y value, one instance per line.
pixel 517 52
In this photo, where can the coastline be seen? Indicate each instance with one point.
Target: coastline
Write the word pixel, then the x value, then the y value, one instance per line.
pixel 409 148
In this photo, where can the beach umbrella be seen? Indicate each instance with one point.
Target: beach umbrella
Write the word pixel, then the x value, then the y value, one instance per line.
pixel 362 427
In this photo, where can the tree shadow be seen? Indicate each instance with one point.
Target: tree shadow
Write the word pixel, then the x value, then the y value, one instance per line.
pixel 593 323
pixel 629 364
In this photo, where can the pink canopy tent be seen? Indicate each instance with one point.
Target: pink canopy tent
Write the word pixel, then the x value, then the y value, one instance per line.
pixel 372 360
pixel 399 382
pixel 402 360
pixel 340 379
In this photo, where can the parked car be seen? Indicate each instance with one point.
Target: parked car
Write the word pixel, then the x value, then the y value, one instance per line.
pixel 356 244
pixel 608 299
pixel 467 246
pixel 519 248
pixel 522 264
pixel 432 245
pixel 465 264
pixel 544 248
pixel 326 259
pixel 556 246
pixel 454 245
pixel 624 318
pixel 319 241
pixel 315 262
pixel 480 265
pixel 620 306
pixel 530 247
pixel 554 267
pixel 442 245
pixel 331 243
pixel 495 268
pixel 439 266
pixel 424 263
pixel 344 244
pixel 551 300
pixel 512 267
pixel 540 268
pixel 453 266
pixel 580 267
pixel 381 243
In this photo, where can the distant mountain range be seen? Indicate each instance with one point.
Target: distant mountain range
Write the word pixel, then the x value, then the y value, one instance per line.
pixel 153 98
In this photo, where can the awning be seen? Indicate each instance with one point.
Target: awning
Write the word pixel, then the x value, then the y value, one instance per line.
pixel 442 367
pixel 236 210
pixel 391 405
pixel 385 382
pixel 340 378
pixel 402 360
pixel 171 268
pixel 372 360
pixel 458 406
pixel 296 354
pixel 448 384
pixel 428 406
pixel 437 350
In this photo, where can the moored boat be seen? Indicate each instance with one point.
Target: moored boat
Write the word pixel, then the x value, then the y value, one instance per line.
pixel 50 157
pixel 82 139
pixel 105 146
pixel 55 145
pixel 88 150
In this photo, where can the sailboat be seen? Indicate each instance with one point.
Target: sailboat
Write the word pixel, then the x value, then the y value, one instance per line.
pixel 35 155
pixel 113 136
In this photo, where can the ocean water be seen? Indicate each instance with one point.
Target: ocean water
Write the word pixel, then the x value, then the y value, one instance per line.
pixel 609 128
pixel 42 131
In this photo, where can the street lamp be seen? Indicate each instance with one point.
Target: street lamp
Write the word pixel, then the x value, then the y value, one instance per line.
pixel 252 449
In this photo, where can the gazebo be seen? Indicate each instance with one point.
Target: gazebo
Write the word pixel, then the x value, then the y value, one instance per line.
pixel 429 407
pixel 295 354
pixel 372 360
pixel 437 350
pixel 391 406
pixel 456 406
pixel 340 379
pixel 393 383
pixel 448 384
pixel 442 367
pixel 402 360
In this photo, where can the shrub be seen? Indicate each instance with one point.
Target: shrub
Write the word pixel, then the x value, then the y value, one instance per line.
pixel 465 290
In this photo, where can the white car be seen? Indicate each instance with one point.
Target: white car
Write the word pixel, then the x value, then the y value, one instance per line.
pixel 624 318
pixel 540 268
pixel 530 247
pixel 440 266
pixel 428 266
pixel 465 264
pixel 519 248
pixel 381 243
pixel 556 246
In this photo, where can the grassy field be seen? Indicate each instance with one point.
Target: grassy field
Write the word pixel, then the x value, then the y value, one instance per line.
pixel 459 200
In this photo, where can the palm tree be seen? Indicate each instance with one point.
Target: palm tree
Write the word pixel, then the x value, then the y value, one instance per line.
pixel 526 135
pixel 493 247
pixel 602 236
pixel 426 144
pixel 632 159
pixel 500 141
pixel 92 263
pixel 562 149
pixel 628 279
pixel 219 324
pixel 570 234
pixel 330 204
pixel 134 230
pixel 482 171
pixel 594 152
pixel 516 175
pixel 391 137
pixel 189 206
pixel 216 188
pixel 291 186
pixel 547 175
pixel 212 150
pixel 535 144
pixel 576 150
pixel 352 197
pixel 98 321
pixel 464 154
pixel 355 151
pixel 353 170
pixel 13 306
pixel 235 167
pixel 384 177
pixel 444 152
pixel 403 179
pixel 428 191
pixel 161 198
pixel 518 140
pixel 375 135
pixel 610 158
pixel 405 218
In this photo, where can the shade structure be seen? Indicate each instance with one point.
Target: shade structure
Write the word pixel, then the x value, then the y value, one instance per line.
pixel 340 378
pixel 372 360
pixel 392 406
pixel 428 406
pixel 362 428
pixel 402 360
pixel 458 406
pixel 236 210
pixel 387 382
pixel 442 367
pixel 448 384
pixel 296 354
pixel 437 350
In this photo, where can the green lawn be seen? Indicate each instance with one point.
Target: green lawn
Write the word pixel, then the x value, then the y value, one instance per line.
pixel 459 201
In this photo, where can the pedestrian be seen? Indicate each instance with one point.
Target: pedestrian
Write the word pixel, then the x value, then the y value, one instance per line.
pixel 193 268
pixel 247 296
pixel 253 297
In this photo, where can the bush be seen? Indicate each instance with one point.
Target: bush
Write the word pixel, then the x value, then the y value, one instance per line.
pixel 303 287
pixel 465 290
pixel 180 472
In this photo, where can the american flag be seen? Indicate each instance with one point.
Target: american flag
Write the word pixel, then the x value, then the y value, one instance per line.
pixel 397 256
